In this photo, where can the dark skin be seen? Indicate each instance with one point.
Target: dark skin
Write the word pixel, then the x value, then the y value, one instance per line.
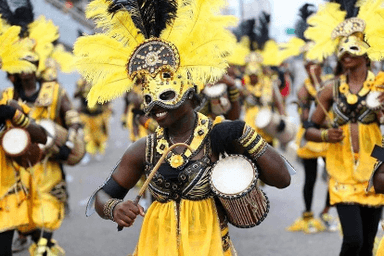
pixel 29 86
pixel 378 180
pixel 356 71
pixel 234 112
pixel 179 124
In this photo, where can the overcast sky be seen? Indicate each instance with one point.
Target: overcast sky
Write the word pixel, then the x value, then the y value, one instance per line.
pixel 284 13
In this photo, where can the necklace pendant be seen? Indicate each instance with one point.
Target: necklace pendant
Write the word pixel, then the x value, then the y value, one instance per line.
pixel 176 161
pixel 352 99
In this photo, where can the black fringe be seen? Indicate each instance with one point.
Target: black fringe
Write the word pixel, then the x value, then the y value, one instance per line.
pixel 263 30
pixel 150 16
pixel 348 6
pixel 301 25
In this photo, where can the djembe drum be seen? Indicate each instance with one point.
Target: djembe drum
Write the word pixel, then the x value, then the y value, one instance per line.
pixel 233 180
pixel 17 145
pixel 218 98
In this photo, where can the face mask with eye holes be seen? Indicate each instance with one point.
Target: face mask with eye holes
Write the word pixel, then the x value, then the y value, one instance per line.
pixel 166 90
pixel 352 45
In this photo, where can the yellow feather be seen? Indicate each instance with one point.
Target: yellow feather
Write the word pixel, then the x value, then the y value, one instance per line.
pixel 44 33
pixel 271 54
pixel 293 47
pixel 63 58
pixel 12 51
pixel 320 30
pixel 202 53
pixel 372 12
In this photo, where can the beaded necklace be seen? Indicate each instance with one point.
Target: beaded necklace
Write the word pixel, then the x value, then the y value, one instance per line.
pixel 179 160
pixel 352 97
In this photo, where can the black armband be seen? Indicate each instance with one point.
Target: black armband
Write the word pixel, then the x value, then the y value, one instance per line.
pixel 310 124
pixel 113 189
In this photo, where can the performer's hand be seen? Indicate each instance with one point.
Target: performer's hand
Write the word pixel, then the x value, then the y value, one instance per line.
pixel 335 135
pixel 125 213
pixel 6 112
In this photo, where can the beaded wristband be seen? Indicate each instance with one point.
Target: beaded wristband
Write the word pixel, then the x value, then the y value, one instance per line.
pixel 253 142
pixel 233 94
pixel 324 135
pixel 109 206
pixel 20 119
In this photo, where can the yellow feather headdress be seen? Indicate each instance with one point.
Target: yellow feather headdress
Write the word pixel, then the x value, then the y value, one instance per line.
pixel 170 45
pixel 14 51
pixel 329 31
pixel 43 33
pixel 240 52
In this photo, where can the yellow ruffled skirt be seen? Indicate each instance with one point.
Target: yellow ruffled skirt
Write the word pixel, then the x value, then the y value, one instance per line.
pixel 45 210
pixel 95 133
pixel 309 149
pixel 194 229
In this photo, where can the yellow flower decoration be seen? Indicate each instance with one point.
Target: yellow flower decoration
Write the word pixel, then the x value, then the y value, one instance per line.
pixel 176 161
pixel 343 88
pixel 162 145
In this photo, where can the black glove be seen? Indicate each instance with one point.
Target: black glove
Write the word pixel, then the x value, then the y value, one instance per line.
pixel 6 112
pixel 63 154
pixel 224 134
pixel 137 111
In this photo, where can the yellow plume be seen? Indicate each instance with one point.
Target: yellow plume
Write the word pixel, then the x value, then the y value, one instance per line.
pixel 293 47
pixel 12 52
pixel 372 12
pixel 44 33
pixel 202 53
pixel 320 30
pixel 102 60
pixel 63 58
pixel 240 52
pixel 271 54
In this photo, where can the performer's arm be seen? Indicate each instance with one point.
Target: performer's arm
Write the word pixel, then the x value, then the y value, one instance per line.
pixel 109 204
pixel 233 94
pixel 378 180
pixel 304 103
pixel 238 138
pixel 313 132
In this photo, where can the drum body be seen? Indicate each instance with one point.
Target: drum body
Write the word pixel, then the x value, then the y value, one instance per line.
pixel 269 122
pixel 218 98
pixel 17 145
pixel 57 136
pixel 78 150
pixel 372 101
pixel 233 180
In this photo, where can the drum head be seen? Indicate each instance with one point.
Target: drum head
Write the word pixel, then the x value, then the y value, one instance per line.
pixel 15 141
pixel 49 127
pixel 372 101
pixel 215 91
pixel 263 118
pixel 232 175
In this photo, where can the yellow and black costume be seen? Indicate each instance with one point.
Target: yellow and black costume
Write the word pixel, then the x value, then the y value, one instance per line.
pixel 171 57
pixel 350 168
pixel 95 120
pixel 13 188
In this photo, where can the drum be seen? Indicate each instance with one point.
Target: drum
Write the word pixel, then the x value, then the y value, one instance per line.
pixel 57 136
pixel 78 150
pixel 270 121
pixel 17 145
pixel 218 96
pixel 372 101
pixel 233 180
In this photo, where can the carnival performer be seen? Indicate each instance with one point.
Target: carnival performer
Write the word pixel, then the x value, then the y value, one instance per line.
pixel 184 219
pixel 13 191
pixel 355 126
pixel 95 121
pixel 308 151
pixel 48 101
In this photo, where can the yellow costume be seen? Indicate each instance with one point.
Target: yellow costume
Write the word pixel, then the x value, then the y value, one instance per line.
pixel 310 149
pixel 13 190
pixel 260 96
pixel 349 185
pixel 45 210
pixel 95 121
